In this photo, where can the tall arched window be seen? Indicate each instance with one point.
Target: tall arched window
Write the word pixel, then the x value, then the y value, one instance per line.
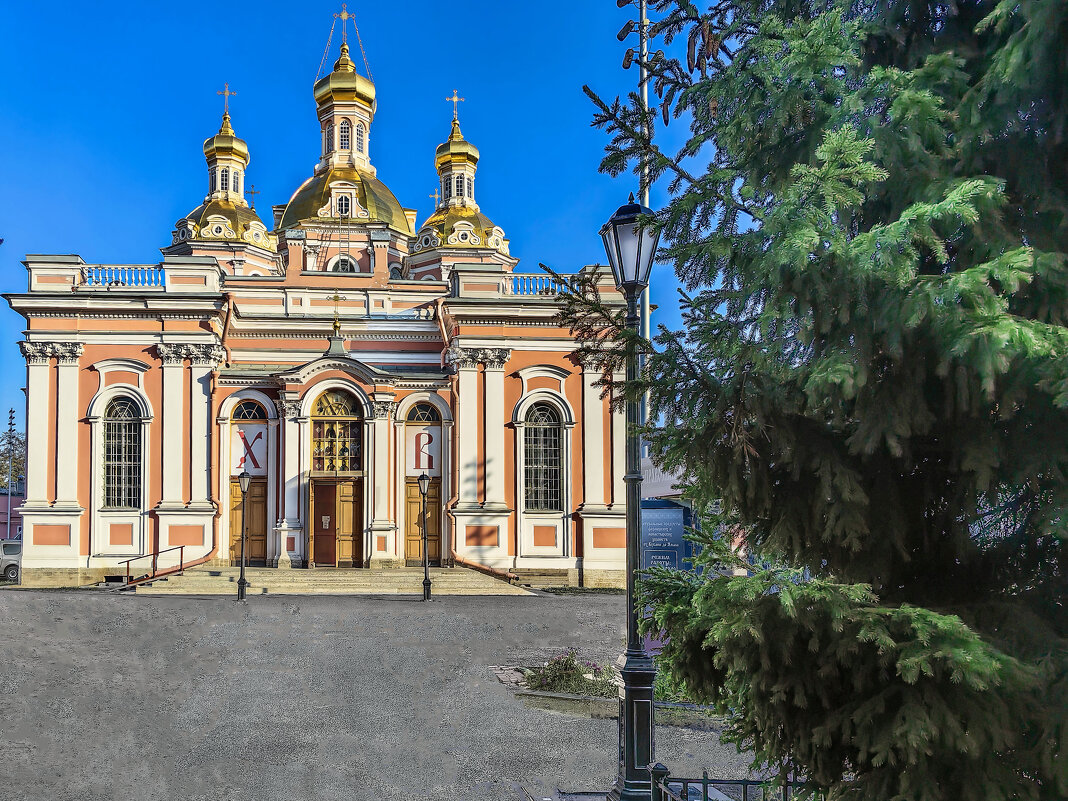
pixel 459 186
pixel 345 135
pixel 542 463
pixel 122 455
pixel 225 179
pixel 330 138
pixel 361 140
pixel 337 427
pixel 237 182
pixel 214 179
pixel 446 190
pixel 344 206
pixel 470 187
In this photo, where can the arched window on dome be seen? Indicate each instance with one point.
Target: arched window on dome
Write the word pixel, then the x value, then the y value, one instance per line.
pixel 214 179
pixel 543 467
pixel 237 182
pixel 122 454
pixel 361 140
pixel 470 187
pixel 344 264
pixel 345 135
pixel 330 138
pixel 344 206
pixel 446 188
pixel 225 180
pixel 459 186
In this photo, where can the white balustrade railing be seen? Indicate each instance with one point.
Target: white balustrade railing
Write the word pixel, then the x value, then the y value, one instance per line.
pixel 126 276
pixel 532 285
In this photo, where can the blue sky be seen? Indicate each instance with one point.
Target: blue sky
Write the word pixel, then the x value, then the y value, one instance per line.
pixel 104 108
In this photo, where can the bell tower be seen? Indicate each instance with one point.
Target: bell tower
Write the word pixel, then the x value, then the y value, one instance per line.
pixel 456 160
pixel 346 106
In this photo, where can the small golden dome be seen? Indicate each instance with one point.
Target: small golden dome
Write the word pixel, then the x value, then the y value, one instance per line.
pixel 226 143
pixel 460 227
pixel 455 149
pixel 224 220
pixel 344 83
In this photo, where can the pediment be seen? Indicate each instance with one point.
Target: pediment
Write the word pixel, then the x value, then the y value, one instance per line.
pixel 364 373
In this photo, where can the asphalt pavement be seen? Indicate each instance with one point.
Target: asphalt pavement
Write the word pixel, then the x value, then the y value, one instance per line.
pixel 106 696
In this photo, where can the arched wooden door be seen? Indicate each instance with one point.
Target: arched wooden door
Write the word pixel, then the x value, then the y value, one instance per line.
pixel 248 446
pixel 422 436
pixel 335 499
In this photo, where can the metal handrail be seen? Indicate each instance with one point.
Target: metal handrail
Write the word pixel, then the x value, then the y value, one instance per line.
pixel 504 575
pixel 155 563
pixel 673 788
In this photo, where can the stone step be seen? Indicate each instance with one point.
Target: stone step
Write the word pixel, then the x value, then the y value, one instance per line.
pixel 326 581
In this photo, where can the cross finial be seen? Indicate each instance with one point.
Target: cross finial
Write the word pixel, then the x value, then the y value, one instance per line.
pixel 226 93
pixel 455 99
pixel 436 196
pixel 337 319
pixel 344 16
pixel 252 192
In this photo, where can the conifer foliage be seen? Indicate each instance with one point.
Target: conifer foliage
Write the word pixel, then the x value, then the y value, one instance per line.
pixel 871 222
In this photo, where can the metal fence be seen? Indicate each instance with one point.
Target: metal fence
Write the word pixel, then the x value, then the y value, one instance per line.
pixel 666 787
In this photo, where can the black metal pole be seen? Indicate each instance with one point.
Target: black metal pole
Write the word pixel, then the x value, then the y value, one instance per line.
pixel 636 697
pixel 426 554
pixel 242 584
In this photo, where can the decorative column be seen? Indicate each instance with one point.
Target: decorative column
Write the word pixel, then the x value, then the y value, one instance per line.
pixel 173 421
pixel 38 404
pixel 466 363
pixel 494 359
pixel 203 358
pixel 619 454
pixel 288 407
pixel 311 256
pixel 67 354
pixel 382 523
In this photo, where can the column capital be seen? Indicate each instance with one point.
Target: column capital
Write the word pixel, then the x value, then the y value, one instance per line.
pixel 287 407
pixel 41 352
pixel 384 409
pixel 169 354
pixel 494 358
pixel 203 354
pixel 68 352
pixel 462 358
pixel 35 352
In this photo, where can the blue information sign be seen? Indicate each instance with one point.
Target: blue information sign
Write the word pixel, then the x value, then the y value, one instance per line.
pixel 663 525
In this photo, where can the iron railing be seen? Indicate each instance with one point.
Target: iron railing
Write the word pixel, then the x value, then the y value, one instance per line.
pixel 156 573
pixel 666 787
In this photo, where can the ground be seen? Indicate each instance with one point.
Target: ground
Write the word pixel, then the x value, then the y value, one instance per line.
pixel 285 698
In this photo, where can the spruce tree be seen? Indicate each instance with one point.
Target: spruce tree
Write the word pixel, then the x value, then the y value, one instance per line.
pixel 871 224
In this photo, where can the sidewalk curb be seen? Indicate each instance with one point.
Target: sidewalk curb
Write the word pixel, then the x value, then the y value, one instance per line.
pixel 687 716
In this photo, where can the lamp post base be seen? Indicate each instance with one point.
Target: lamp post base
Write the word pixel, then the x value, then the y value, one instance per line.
pixel 426 589
pixel 635 728
pixel 242 585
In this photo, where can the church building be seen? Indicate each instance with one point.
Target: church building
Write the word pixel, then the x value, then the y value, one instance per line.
pixel 335 351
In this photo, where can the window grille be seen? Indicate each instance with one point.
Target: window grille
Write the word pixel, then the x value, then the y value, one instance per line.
pixel 447 188
pixel 330 138
pixel 214 179
pixel 542 463
pixel 337 437
pixel 470 188
pixel 423 413
pixel 248 410
pixel 237 182
pixel 344 206
pixel 225 180
pixel 122 455
pixel 459 186
pixel 361 141
pixel 345 135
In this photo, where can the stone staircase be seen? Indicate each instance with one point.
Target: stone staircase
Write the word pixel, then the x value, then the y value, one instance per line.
pixel 328 581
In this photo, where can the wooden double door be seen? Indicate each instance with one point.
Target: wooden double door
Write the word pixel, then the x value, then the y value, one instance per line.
pixel 413 537
pixel 255 521
pixel 335 530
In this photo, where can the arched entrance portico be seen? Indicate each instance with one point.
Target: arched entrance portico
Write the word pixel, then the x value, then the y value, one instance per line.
pixel 335 531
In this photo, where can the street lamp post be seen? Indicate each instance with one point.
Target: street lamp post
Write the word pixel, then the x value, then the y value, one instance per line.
pixel 424 486
pixel 10 464
pixel 242 584
pixel 631 248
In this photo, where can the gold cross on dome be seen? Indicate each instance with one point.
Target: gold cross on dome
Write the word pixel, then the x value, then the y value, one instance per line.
pixel 344 16
pixel 454 100
pixel 337 319
pixel 252 192
pixel 436 196
pixel 226 93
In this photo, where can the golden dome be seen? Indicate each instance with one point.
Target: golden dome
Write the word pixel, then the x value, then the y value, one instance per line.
pixel 462 227
pixel 455 149
pixel 226 143
pixel 374 199
pixel 224 220
pixel 344 83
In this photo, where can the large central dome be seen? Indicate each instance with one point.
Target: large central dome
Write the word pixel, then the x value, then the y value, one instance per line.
pixel 312 200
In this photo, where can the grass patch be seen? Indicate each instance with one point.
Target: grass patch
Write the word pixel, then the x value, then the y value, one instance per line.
pixel 569 674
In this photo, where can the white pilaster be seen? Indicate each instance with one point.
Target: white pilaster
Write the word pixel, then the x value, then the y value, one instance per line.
pixel 173 421
pixel 384 409
pixel 619 455
pixel 67 424
pixel 38 404
pixel 593 433
pixel 467 421
pixel 495 359
pixel 290 525
pixel 199 436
